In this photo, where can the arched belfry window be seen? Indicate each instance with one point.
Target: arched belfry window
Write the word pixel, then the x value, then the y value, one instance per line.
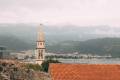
pixel 40 54
pixel 40 43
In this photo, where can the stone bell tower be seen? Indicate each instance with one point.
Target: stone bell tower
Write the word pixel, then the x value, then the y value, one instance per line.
pixel 40 49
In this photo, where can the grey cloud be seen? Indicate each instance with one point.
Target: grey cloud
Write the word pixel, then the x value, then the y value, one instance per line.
pixel 79 12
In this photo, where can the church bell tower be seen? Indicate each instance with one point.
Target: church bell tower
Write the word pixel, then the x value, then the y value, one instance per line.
pixel 40 49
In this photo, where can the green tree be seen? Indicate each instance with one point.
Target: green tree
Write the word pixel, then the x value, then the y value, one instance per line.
pixel 35 67
pixel 45 64
pixel 1 69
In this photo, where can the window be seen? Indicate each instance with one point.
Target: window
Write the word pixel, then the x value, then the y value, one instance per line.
pixel 40 54
pixel 41 43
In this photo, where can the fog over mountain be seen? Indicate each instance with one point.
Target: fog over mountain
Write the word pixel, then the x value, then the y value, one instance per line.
pixel 28 32
pixel 25 35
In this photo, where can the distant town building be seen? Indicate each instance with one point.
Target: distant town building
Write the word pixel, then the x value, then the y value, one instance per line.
pixel 4 53
pixel 40 49
pixel 23 55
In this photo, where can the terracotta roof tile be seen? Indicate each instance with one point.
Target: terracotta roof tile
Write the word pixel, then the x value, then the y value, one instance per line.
pixel 84 71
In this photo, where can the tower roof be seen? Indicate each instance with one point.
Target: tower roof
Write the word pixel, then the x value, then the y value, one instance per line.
pixel 40 33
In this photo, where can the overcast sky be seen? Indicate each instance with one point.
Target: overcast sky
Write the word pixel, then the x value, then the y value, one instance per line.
pixel 55 12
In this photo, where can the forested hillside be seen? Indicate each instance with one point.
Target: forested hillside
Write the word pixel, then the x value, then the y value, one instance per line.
pixel 102 46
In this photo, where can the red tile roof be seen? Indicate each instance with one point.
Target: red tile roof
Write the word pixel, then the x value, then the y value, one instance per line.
pixel 84 71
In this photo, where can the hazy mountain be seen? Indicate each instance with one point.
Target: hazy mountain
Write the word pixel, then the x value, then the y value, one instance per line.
pixel 12 42
pixel 54 34
pixel 66 38
pixel 103 46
